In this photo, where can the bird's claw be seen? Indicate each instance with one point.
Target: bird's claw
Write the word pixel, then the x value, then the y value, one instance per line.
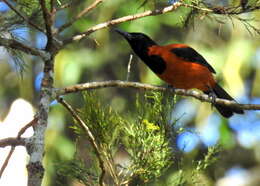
pixel 212 96
pixel 172 88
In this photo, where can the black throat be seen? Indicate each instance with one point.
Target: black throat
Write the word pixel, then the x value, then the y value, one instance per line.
pixel 154 62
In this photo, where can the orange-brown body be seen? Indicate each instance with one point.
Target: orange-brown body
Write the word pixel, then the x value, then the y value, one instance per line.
pixel 181 73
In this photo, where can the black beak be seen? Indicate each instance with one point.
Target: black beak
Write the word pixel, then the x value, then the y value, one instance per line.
pixel 124 34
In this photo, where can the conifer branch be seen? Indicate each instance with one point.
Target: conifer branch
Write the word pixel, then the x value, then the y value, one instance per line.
pixel 92 139
pixel 26 19
pixel 141 86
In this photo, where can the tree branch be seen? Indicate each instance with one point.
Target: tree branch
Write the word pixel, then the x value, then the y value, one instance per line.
pixel 90 135
pixel 11 43
pixel 7 161
pixel 214 10
pixel 80 15
pixel 234 10
pixel 136 85
pixel 20 133
pixel 12 142
pixel 48 23
pixel 27 20
pixel 121 20
pixel 36 147
pixel 224 10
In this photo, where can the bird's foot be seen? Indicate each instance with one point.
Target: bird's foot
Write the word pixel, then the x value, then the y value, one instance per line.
pixel 212 96
pixel 172 88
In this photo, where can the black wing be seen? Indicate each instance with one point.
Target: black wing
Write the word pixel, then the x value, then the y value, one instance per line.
pixel 189 54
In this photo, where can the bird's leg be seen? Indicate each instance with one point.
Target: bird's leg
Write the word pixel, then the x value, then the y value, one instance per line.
pixel 172 88
pixel 212 96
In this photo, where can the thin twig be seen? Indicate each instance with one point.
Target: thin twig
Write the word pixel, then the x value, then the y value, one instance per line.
pixel 6 161
pixel 90 135
pixel 80 15
pixel 48 23
pixel 30 124
pixel 129 67
pixel 26 19
pixel 136 85
pixel 20 133
pixel 121 20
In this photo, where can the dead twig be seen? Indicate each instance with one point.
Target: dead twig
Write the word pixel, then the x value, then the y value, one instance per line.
pixel 129 67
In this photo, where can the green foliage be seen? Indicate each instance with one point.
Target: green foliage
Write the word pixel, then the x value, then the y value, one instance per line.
pixel 101 119
pixel 74 169
pixel 192 173
pixel 149 150
pixel 146 136
pixel 209 158
pixel 29 7
pixel 202 165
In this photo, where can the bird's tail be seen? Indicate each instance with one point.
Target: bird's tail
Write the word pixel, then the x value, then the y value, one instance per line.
pixel 224 110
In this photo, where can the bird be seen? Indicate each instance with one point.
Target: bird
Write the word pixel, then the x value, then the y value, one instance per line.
pixel 180 66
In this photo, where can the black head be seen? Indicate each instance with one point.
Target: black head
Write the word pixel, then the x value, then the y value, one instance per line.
pixel 140 44
pixel 138 41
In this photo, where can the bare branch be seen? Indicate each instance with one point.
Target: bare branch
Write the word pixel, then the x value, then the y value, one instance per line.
pixel 90 135
pixel 12 142
pixel 136 85
pixel 80 15
pixel 27 20
pixel 48 23
pixel 121 20
pixel 20 133
pixel 7 160
pixel 11 43
pixel 30 124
